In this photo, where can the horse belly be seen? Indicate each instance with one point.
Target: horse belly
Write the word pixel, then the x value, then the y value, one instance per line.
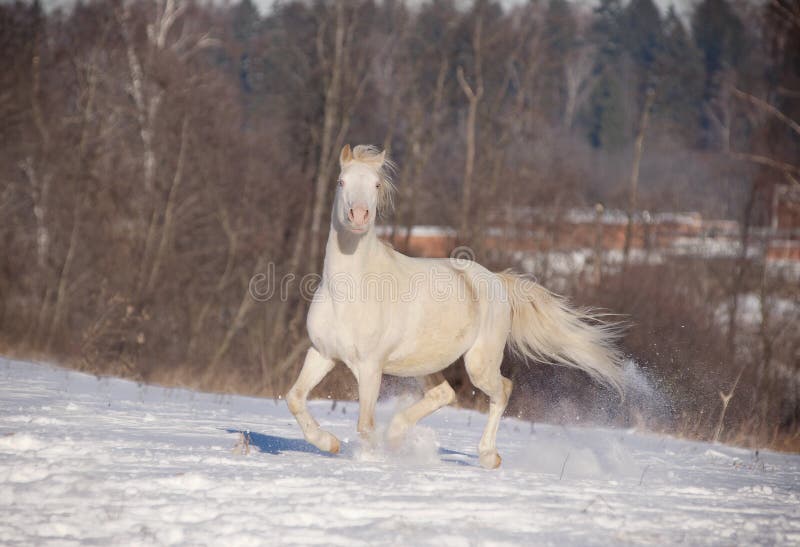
pixel 435 342
pixel 420 365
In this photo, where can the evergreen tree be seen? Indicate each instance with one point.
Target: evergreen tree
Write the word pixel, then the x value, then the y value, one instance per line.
pixel 605 115
pixel 245 21
pixel 643 38
pixel 608 29
pixel 680 73
pixel 560 29
pixel 719 33
pixel 643 42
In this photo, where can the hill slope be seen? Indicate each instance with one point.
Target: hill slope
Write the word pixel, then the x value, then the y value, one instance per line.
pixel 111 462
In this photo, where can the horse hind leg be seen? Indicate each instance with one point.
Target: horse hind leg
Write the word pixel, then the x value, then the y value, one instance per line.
pixel 483 366
pixel 315 368
pixel 434 399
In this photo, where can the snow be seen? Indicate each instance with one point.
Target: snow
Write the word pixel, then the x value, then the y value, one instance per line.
pixel 107 461
pixel 416 231
pixel 749 310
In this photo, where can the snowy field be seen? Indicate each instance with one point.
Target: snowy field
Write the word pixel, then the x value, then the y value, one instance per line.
pixel 108 462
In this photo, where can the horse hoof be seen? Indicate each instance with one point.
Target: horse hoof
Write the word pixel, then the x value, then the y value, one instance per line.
pixel 325 442
pixel 490 459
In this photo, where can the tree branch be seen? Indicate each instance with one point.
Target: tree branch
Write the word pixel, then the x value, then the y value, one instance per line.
pixel 764 105
pixel 788 169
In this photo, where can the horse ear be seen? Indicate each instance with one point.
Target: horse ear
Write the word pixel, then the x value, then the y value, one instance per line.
pixel 346 155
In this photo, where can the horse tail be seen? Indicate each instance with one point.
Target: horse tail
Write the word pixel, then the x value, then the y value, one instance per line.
pixel 545 328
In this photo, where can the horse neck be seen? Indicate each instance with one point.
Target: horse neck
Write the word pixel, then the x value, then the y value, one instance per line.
pixel 348 253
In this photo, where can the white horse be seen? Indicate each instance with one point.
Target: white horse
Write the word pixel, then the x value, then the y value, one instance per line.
pixel 381 312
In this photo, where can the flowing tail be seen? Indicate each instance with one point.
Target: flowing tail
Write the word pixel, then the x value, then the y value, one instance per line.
pixel 545 328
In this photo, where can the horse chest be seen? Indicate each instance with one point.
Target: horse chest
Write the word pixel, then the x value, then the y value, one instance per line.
pixel 347 331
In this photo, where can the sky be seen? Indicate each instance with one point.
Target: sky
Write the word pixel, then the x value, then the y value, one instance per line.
pixel 681 6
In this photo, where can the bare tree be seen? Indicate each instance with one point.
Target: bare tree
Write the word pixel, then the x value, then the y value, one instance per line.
pixel 633 190
pixel 789 170
pixel 148 95
pixel 474 94
pixel 335 66
pixel 579 80
pixel 422 134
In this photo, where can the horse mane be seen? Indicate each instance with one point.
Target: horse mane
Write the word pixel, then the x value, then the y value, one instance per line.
pixel 385 168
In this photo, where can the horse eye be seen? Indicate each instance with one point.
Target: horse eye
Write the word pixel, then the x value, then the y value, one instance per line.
pixel 377 185
pixel 340 182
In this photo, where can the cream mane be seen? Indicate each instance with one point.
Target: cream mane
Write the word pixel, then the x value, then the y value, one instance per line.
pixel 385 168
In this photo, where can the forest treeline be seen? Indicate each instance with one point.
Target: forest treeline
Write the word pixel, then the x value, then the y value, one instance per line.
pixel 156 155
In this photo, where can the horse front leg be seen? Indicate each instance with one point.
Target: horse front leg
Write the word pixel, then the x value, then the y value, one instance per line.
pixel 369 386
pixel 315 368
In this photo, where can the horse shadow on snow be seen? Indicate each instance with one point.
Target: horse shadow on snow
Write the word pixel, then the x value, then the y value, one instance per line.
pixel 276 445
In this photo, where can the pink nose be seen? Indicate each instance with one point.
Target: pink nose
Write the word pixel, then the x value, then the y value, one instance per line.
pixel 358 215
